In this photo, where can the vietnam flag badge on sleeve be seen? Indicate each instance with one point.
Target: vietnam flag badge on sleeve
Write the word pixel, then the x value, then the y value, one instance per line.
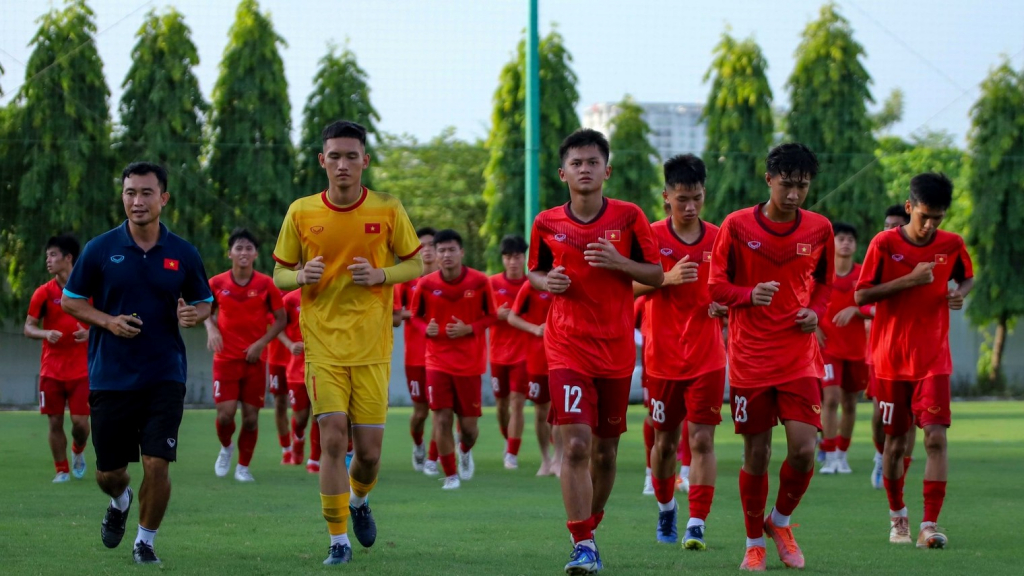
pixel 170 264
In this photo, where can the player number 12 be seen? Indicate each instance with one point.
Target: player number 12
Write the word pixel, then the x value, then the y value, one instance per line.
pixel 573 395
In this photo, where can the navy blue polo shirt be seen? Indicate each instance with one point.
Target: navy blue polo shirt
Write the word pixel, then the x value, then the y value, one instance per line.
pixel 123 279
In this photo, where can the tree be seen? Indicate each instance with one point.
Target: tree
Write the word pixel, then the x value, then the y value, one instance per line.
pixel 439 183
pixel 251 158
pixel 341 91
pixel 505 173
pixel 162 112
pixel 997 226
pixel 635 176
pixel 829 93
pixel 739 127
pixel 891 112
pixel 66 168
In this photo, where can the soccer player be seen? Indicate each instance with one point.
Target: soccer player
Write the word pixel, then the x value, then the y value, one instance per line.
pixel 298 396
pixel 145 283
pixel 278 356
pixel 772 265
pixel 340 246
pixel 63 370
pixel 843 340
pixel 415 358
pixel 454 307
pixel 641 340
pixel 684 355
pixel 237 335
pixel 586 253
pixel 906 275
pixel 508 349
pixel 529 313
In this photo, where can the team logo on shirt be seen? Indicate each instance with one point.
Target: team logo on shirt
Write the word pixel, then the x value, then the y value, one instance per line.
pixel 613 235
pixel 171 264
pixel 897 257
pixel 226 292
pixel 666 251
pixel 803 249
pixel 469 293
pixel 754 244
pixel 57 301
pixel 371 228
pixel 544 295
pixel 707 256
pixel 253 293
pixel 560 237
pixel 117 259
pixel 437 292
pixel 941 259
pixel 502 291
pixel 316 229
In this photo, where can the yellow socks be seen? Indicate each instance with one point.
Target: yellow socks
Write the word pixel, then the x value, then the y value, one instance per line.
pixel 336 512
pixel 360 489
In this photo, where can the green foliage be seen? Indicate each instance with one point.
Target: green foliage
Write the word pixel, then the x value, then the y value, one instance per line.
pixel 439 183
pixel 891 112
pixel 341 91
pixel 829 93
pixel 739 123
pixel 635 176
pixel 161 121
pixel 63 158
pixel 505 172
pixel 252 159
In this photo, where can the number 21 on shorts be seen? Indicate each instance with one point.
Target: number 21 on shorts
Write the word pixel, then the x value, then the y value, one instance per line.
pixel 573 394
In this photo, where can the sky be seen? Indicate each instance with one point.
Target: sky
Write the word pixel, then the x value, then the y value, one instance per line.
pixel 434 63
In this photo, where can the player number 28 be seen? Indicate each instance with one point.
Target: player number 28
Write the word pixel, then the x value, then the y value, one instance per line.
pixel 658 411
pixel 887 409
pixel 572 398
pixel 740 412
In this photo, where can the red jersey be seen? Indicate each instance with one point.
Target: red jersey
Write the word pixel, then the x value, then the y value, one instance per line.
pixel 65 360
pixel 591 324
pixel 910 332
pixel 681 341
pixel 766 347
pixel 296 363
pixel 532 305
pixel 242 311
pixel 467 298
pixel 850 341
pixel 415 339
pixel 639 313
pixel 277 353
pixel 508 345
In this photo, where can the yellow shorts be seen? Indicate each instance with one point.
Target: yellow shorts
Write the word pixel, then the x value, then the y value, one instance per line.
pixel 361 392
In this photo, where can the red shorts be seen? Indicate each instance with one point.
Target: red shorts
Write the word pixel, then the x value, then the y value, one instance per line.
pixel 416 381
pixel 850 375
pixel 278 378
pixel 757 410
pixel 645 385
pixel 698 400
pixel 900 401
pixel 298 396
pixel 507 378
pixel 597 402
pixel 538 391
pixel 54 394
pixel 235 380
pixel 462 394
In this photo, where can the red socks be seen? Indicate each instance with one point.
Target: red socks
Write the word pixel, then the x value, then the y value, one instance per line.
pixel 285 440
pixel 512 446
pixel 828 445
pixel 683 451
pixel 246 445
pixel 76 448
pixel 700 500
pixel 792 486
pixel 906 465
pixel 648 440
pixel 314 442
pixel 62 466
pixel 581 529
pixel 224 433
pixel 432 451
pixel 894 490
pixel 843 444
pixel 664 488
pixel 417 437
pixel 463 447
pixel 754 496
pixel 448 464
pixel 934 494
pixel 596 519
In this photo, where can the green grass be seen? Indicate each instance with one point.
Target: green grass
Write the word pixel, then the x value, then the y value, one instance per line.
pixel 501 522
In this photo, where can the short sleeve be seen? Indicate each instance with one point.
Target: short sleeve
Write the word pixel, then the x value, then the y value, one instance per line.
pixel 404 243
pixel 37 305
pixel 418 305
pixel 871 270
pixel 522 301
pixel 275 299
pixel 196 287
pixel 720 258
pixel 645 247
pixel 288 251
pixel 398 297
pixel 963 268
pixel 541 259
pixel 85 276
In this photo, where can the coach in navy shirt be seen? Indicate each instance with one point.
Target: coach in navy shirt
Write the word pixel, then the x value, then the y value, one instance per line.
pixel 145 283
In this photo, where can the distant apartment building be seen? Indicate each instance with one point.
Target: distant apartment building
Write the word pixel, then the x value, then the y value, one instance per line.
pixel 675 128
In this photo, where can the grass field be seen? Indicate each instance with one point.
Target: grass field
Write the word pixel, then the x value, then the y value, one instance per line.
pixel 501 522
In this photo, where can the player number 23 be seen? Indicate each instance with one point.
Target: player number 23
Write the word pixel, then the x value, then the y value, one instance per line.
pixel 740 412
pixel 887 409
pixel 572 398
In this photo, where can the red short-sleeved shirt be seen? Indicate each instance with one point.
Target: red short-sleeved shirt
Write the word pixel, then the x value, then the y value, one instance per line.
pixel 242 311
pixel 591 324
pixel 277 353
pixel 415 339
pixel 766 347
pixel 532 305
pixel 850 341
pixel 508 345
pixel 467 298
pixel 681 341
pixel 296 363
pixel 910 331
pixel 66 360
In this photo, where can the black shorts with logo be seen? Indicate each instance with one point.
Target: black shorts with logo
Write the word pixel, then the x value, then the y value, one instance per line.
pixel 125 421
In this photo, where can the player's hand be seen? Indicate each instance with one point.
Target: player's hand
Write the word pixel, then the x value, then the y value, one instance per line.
pixel 716 310
pixel 52 336
pixel 539 330
pixel 254 351
pixel 82 334
pixel 311 272
pixel 433 329
pixel 125 326
pixel 503 311
pixel 406 314
pixel 807 320
pixel 955 299
pixel 188 316
pixel 820 336
pixel 683 272
pixel 603 254
pixel 214 341
pixel 763 293
pixel 364 274
pixel 457 328
pixel 297 348
pixel 922 274
pixel 844 316
pixel 557 281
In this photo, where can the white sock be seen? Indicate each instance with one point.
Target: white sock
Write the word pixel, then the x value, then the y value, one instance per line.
pixel 241 468
pixel 840 455
pixel 878 455
pixel 286 450
pixel 647 472
pixel 356 501
pixel 694 522
pixel 588 543
pixel 779 520
pixel 751 542
pixel 311 461
pixel 684 472
pixel 145 535
pixel 121 502
pixel 340 539
pixel 927 524
pixel 665 507
pixel 228 448
pixel 898 513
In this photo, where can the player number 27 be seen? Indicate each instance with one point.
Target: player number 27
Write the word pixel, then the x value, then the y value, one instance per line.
pixel 572 398
pixel 887 409
pixel 739 413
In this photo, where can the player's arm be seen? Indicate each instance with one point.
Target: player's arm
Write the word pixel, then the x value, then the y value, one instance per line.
pixel 721 282
pixel 253 352
pixel 963 275
pixel 83 283
pixel 35 332
pixel 458 329
pixel 604 254
pixel 870 288
pixel 516 321
pixel 214 339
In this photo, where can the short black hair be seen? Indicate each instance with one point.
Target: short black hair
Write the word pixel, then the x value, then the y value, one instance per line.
pixel 448 235
pixel 685 170
pixel 791 158
pixel 582 138
pixel 933 189
pixel 345 129
pixel 67 244
pixel 242 234
pixel 143 168
pixel 844 228
pixel 898 210
pixel 426 231
pixel 513 244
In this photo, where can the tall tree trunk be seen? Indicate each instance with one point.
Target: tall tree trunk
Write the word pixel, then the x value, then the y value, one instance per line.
pixel 998 343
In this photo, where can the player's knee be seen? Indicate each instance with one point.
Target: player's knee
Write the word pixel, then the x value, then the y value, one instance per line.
pixel 56 423
pixel 801 455
pixel 368 457
pixel 702 442
pixel 664 445
pixel 576 449
pixel 756 458
pixel 250 422
pixel 935 440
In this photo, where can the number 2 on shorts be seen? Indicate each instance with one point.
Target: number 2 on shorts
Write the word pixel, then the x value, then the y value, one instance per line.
pixel 573 395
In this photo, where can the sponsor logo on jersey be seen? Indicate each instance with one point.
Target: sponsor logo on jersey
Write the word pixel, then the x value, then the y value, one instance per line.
pixel 816 408
pixel 666 251
pixel 560 237
pixel 941 259
pixel 614 420
pixel 934 409
pixel 437 292
pixel 171 442
pixel 502 291
pixel 803 249
pixel 544 295
pixel 117 259
pixel 754 244
pixel 316 229
pixel 897 257
pixel 226 292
